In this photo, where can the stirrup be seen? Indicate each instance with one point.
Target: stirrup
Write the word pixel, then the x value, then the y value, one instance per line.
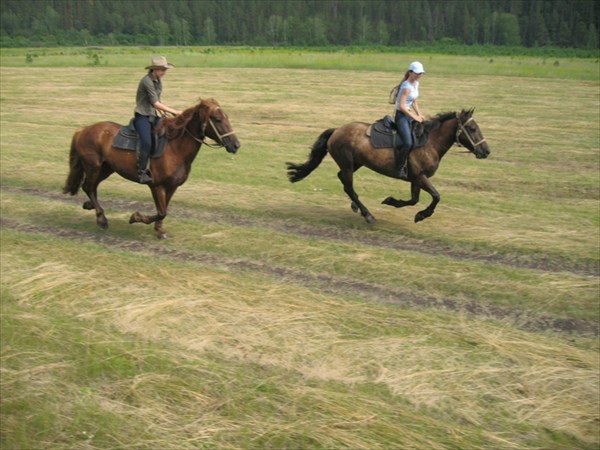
pixel 145 177
pixel 403 172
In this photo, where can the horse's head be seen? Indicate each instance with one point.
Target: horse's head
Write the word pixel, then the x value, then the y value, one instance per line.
pixel 216 125
pixel 469 135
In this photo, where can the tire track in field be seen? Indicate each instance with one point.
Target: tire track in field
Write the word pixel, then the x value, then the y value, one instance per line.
pixel 342 235
pixel 337 285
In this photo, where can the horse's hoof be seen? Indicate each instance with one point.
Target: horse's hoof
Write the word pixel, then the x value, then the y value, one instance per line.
pixel 102 223
pixel 370 219
pixel 163 236
pixel 389 201
pixel 419 217
pixel 354 207
pixel 135 217
pixel 88 205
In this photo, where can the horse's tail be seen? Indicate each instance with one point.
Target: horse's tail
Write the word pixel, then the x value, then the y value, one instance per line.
pixel 76 173
pixel 297 172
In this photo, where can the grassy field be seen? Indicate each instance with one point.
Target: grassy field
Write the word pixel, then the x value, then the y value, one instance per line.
pixel 276 318
pixel 345 59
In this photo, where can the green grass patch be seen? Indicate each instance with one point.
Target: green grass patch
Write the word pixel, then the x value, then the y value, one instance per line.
pixel 494 62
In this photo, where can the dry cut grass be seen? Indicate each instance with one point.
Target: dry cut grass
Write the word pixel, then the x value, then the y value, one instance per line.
pixel 198 355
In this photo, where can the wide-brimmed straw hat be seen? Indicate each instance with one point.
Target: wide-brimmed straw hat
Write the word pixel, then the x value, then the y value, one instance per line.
pixel 160 62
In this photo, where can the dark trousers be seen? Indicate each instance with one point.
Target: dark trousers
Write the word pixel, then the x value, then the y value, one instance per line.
pixel 403 126
pixel 144 126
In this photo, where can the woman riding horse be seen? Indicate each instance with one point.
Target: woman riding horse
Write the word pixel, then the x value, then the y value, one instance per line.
pixel 351 149
pixel 93 158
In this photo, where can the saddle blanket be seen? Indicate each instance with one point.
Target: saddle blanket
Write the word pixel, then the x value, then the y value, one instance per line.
pixel 127 139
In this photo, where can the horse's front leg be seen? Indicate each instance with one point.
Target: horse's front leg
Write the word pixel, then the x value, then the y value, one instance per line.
pixel 428 187
pixel 160 201
pixel 415 190
pixel 161 233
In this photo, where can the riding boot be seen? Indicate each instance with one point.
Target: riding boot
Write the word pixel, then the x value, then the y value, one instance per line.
pixel 144 174
pixel 400 158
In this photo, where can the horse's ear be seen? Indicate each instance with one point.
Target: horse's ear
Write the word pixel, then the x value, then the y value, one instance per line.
pixel 202 104
pixel 467 113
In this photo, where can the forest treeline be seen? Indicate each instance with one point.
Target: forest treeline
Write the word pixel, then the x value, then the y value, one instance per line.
pixel 528 23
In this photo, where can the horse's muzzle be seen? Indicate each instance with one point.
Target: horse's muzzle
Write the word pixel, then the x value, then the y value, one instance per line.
pixel 233 146
pixel 482 152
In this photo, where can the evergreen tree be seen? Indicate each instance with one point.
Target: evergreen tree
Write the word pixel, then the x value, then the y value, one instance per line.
pixel 508 30
pixel 592 37
pixel 209 35
pixel 383 36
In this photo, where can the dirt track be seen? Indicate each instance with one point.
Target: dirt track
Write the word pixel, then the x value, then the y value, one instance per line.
pixel 401 243
pixel 334 284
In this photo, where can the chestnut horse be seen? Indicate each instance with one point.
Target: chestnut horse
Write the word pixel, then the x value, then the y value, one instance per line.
pixel 93 158
pixel 351 149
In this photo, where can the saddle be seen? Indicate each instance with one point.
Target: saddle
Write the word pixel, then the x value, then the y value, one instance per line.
pixel 127 139
pixel 384 134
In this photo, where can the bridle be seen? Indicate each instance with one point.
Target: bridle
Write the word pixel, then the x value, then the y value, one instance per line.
pixel 461 129
pixel 215 129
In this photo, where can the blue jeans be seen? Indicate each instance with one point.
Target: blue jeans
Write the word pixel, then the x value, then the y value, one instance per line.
pixel 144 128
pixel 403 126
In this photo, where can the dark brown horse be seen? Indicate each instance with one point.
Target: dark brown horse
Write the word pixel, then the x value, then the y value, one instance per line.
pixel 93 158
pixel 351 149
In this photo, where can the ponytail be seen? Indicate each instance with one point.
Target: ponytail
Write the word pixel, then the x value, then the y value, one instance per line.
pixel 406 75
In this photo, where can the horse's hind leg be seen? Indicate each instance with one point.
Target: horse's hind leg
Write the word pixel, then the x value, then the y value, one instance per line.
pixel 90 187
pixel 346 177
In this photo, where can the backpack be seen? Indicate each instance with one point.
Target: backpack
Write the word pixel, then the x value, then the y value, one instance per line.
pixel 394 94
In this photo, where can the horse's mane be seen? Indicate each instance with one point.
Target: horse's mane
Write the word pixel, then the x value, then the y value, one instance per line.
pixel 174 127
pixel 436 121
pixel 442 117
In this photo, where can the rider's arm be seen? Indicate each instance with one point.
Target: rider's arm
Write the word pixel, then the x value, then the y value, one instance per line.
pixel 416 109
pixel 162 107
